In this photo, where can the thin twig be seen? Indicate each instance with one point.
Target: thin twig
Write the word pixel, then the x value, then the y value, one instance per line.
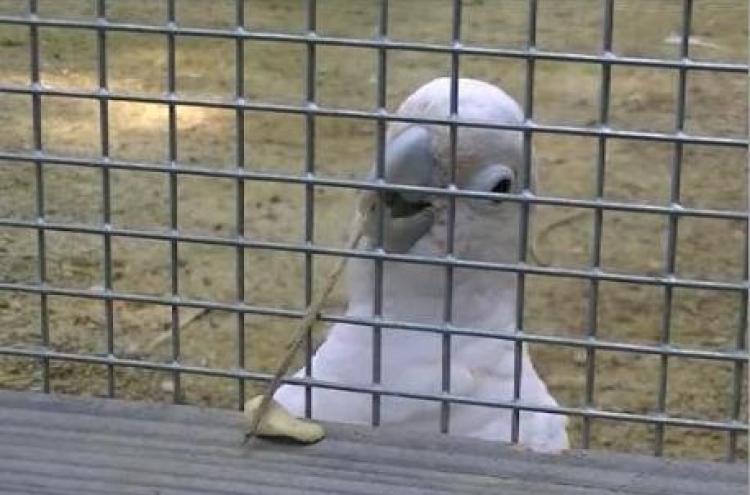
pixel 311 315
pixel 184 323
pixel 534 248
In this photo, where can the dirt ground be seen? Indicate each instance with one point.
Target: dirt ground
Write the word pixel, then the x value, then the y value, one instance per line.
pixel 565 93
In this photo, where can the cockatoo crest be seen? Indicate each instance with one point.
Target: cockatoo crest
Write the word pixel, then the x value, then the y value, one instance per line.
pixel 476 147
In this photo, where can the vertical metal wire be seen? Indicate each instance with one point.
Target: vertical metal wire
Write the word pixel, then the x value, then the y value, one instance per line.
pixel 380 134
pixel 41 244
pixel 173 196
pixel 311 24
pixel 239 187
pixel 523 227
pixel 101 48
pixel 670 254
pixel 738 375
pixel 596 240
pixel 455 71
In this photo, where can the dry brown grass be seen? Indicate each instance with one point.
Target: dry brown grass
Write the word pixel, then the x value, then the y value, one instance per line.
pixel 565 93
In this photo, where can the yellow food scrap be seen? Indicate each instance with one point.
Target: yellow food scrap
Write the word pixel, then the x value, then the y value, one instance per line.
pixel 277 422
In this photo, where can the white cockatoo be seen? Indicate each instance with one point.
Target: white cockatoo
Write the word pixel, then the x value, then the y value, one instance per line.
pixel 487 160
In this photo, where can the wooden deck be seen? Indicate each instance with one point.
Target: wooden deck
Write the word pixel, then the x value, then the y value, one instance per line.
pixel 63 445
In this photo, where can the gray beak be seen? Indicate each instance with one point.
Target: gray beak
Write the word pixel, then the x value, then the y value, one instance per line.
pixel 408 161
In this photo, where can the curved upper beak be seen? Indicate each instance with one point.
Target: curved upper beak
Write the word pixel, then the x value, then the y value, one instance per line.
pixel 409 160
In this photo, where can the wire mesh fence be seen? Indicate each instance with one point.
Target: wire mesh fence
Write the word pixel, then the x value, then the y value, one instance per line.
pixel 176 176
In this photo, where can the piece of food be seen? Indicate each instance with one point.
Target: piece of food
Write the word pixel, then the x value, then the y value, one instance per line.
pixel 279 423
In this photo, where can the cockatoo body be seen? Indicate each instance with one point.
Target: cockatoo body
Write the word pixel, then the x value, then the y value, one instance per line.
pixel 416 223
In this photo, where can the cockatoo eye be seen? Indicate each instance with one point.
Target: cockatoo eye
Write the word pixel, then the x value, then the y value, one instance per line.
pixel 496 178
pixel 502 186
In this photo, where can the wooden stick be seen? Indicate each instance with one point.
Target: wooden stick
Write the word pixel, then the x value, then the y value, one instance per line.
pixel 365 208
pixel 185 321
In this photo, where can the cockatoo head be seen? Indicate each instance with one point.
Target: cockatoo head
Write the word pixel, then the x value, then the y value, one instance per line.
pixel 486 160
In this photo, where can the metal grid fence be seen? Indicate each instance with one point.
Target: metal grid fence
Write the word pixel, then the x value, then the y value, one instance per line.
pixel 602 132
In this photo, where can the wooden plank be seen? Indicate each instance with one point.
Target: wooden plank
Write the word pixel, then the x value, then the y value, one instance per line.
pixel 63 445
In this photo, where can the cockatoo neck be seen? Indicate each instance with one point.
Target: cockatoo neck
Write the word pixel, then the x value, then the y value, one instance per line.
pixel 417 293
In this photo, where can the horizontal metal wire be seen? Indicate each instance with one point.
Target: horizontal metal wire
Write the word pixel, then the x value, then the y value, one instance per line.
pixel 313 109
pixel 312 179
pixel 738 355
pixel 238 374
pixel 306 248
pixel 313 37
